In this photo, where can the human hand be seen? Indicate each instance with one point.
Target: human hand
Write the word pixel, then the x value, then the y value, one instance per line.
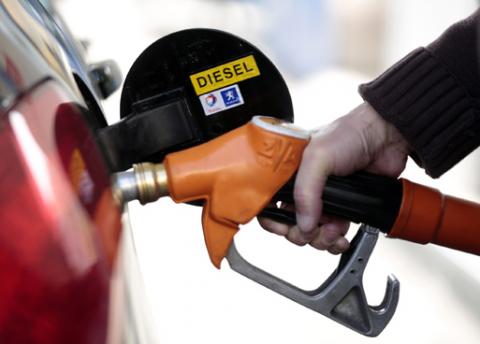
pixel 360 140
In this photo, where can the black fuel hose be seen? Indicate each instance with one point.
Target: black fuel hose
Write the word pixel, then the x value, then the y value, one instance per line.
pixel 361 198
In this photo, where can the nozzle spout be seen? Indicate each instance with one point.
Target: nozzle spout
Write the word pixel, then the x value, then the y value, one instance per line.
pixel 146 183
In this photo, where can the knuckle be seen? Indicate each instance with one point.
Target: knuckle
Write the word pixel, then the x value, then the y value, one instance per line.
pixel 296 241
pixel 333 251
pixel 318 245
pixel 329 235
pixel 295 237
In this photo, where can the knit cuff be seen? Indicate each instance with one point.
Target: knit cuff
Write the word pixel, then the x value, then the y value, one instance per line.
pixel 429 107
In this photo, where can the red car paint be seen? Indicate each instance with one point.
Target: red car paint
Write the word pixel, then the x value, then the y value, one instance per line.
pixel 59 224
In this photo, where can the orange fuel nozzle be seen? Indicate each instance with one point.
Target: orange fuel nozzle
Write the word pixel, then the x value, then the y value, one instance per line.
pixel 236 175
pixel 235 190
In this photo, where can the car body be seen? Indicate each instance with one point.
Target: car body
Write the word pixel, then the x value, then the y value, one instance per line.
pixel 62 277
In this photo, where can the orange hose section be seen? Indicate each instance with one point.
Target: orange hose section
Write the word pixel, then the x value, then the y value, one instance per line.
pixel 427 216
pixel 237 174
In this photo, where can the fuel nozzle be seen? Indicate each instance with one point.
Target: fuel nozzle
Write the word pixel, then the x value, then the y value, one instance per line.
pixel 236 175
pixel 146 183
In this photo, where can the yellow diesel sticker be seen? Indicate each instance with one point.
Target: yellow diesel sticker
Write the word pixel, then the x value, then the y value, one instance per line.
pixel 224 75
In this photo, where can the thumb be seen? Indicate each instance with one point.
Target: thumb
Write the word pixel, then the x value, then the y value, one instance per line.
pixel 309 183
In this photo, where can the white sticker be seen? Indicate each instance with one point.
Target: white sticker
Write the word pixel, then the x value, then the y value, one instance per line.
pixel 222 99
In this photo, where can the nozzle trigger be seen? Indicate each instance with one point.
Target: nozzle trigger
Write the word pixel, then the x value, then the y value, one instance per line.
pixel 341 297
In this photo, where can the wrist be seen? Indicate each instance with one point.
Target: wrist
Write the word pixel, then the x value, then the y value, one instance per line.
pixel 382 132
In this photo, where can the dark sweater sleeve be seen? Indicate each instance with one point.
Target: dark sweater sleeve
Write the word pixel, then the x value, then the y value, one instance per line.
pixel 432 97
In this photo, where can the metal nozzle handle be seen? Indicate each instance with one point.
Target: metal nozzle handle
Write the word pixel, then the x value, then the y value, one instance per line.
pixel 341 297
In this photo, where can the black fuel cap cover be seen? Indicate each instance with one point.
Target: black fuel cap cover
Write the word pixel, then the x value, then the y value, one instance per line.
pixel 217 80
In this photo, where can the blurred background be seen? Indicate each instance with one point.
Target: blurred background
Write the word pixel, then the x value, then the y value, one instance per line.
pixel 324 49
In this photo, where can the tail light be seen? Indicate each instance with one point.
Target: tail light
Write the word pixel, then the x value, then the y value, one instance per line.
pixel 59 225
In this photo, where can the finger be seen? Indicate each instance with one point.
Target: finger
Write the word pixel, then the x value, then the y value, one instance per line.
pixel 273 226
pixel 341 225
pixel 309 184
pixel 298 237
pixel 340 246
pixel 329 234
pixel 319 243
